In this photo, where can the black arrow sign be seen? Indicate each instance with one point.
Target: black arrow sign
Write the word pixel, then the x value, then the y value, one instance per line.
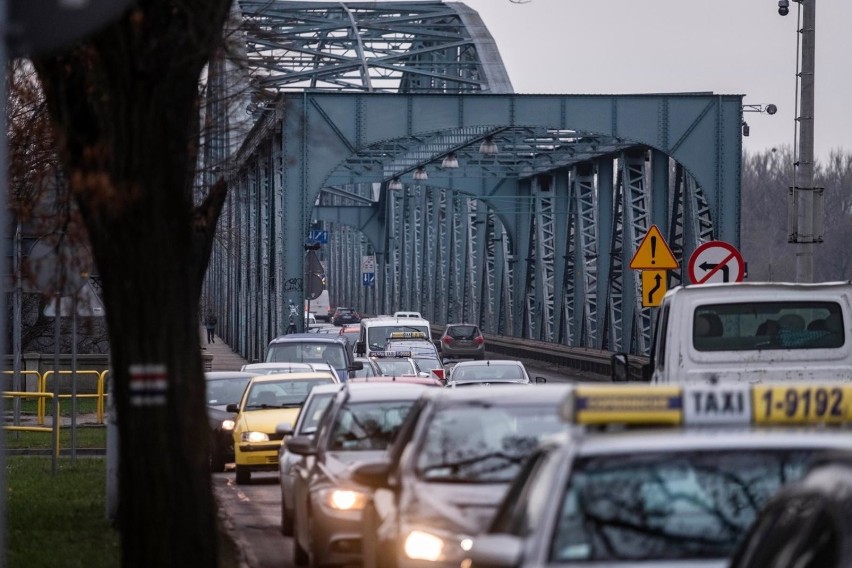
pixel 706 266
pixel 656 287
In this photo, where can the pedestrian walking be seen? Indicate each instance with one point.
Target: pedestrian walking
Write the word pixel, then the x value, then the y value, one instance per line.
pixel 210 323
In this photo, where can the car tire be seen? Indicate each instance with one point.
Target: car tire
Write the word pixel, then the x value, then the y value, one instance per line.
pixel 300 555
pixel 243 475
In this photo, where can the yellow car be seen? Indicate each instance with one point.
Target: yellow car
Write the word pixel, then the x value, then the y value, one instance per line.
pixel 269 400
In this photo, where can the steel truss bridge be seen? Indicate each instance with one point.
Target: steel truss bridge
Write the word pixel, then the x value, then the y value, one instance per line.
pixel 393 126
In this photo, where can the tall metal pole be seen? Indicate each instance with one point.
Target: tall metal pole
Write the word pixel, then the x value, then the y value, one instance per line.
pixel 804 177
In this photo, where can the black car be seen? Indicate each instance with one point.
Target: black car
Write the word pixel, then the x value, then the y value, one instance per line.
pixel 343 316
pixel 807 523
pixel 448 469
pixel 223 388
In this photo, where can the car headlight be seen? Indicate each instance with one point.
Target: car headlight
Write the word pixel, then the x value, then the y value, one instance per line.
pixel 228 424
pixel 254 437
pixel 344 499
pixel 428 546
pixel 421 545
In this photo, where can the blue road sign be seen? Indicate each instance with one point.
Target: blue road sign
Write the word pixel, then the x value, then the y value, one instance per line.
pixel 368 279
pixel 318 236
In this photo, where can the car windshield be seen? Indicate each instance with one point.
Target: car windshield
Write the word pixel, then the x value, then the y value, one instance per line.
pixel 462 331
pixel 479 444
pixel 426 364
pixel 368 425
pixel 395 366
pixel 331 353
pixel 688 505
pixel 281 394
pixel 313 412
pixel 226 391
pixel 378 335
pixel 487 373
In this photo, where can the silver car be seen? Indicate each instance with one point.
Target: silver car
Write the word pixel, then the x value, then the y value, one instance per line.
pixel 358 425
pixel 306 424
pixel 490 372
pixel 654 496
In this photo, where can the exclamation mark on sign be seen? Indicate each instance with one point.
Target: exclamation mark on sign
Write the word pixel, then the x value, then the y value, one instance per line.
pixel 653 249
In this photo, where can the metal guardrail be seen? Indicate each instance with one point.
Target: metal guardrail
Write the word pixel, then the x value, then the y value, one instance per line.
pixel 584 359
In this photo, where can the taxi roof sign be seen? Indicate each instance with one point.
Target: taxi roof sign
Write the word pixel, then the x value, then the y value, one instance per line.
pixel 698 405
pixel 653 253
pixel 407 335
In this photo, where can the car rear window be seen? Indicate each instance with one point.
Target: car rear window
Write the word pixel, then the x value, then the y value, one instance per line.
pixel 463 331
pixel 768 325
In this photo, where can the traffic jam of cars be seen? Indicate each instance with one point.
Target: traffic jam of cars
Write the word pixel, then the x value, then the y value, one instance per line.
pixel 382 462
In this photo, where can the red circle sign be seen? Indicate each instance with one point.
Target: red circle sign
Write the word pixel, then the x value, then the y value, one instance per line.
pixel 716 261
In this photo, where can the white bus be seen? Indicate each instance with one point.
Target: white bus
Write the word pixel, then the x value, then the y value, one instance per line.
pixel 375 332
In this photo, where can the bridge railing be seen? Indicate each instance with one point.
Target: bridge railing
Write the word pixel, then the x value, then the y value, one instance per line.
pixel 596 361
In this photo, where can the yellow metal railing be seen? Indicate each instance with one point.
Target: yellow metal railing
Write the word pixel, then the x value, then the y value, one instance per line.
pixel 100 395
pixel 41 396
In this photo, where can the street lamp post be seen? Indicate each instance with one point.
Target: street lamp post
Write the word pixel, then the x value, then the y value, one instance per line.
pixel 807 215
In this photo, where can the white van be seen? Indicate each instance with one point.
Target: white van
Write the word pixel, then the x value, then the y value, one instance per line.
pixel 320 307
pixel 750 333
pixel 375 332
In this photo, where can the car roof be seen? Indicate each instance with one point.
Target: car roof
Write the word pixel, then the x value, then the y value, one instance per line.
pixel 278 377
pixel 506 394
pixel 367 392
pixel 488 363
pixel 326 388
pixel 308 337
pixel 402 379
pixel 217 375
pixel 640 440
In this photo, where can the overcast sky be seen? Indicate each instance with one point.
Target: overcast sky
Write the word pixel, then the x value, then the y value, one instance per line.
pixel 659 46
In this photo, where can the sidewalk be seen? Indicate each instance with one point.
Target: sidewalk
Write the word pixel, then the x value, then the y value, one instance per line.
pixel 224 358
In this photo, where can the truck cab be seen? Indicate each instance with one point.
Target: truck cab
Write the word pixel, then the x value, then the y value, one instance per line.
pixel 750 333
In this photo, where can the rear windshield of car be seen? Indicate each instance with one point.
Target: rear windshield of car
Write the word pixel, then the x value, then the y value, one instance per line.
pixel 308 352
pixel 666 506
pixel 462 331
pixel 487 373
pixel 768 325
pixel 478 444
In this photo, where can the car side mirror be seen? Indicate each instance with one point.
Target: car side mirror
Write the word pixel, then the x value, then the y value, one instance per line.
pixel 496 551
pixel 359 347
pixel 437 343
pixel 540 380
pixel 232 408
pixel 373 474
pixel 356 366
pixel 301 445
pixel 284 429
pixel 619 369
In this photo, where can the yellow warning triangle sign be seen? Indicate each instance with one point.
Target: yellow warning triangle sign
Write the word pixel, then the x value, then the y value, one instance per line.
pixel 653 253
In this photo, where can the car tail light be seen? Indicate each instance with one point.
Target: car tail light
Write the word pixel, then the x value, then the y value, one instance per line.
pixel 479 340
pixel 447 339
pixel 438 373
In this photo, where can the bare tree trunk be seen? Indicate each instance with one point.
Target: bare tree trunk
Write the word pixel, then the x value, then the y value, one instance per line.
pixel 125 105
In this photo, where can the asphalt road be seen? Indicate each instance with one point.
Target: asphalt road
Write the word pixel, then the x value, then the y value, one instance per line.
pixel 253 511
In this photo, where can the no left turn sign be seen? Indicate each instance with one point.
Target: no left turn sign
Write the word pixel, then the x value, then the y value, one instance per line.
pixel 716 261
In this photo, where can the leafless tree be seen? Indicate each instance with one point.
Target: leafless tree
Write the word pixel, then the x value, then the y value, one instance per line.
pixel 124 104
